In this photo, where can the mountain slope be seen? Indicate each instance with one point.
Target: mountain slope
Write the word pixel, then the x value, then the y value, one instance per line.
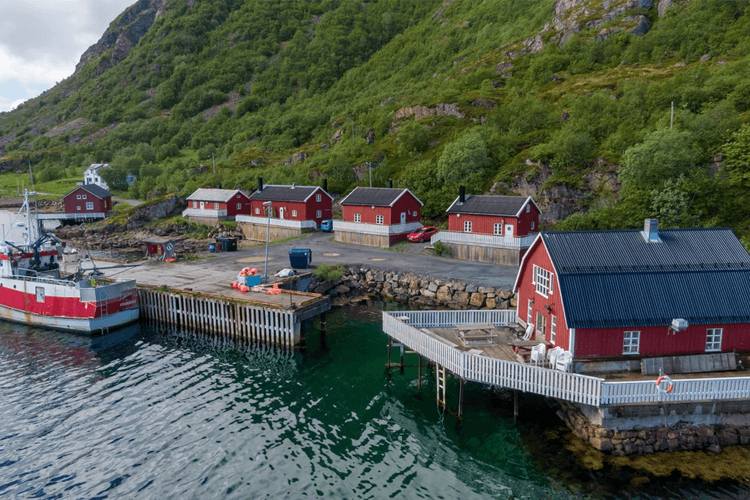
pixel 569 101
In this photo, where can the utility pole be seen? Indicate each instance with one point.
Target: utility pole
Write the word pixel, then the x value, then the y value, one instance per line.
pixel 369 167
pixel 671 117
pixel 214 162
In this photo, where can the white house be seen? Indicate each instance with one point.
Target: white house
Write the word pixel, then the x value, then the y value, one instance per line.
pixel 91 175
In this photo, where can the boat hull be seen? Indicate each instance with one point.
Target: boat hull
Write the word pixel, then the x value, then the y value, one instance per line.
pixel 84 325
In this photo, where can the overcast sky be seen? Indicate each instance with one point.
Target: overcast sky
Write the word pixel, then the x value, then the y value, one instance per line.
pixel 41 41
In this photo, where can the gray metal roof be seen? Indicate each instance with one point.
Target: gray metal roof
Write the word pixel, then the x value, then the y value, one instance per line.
pixel 618 279
pixel 287 193
pixel 208 194
pixel 489 205
pixel 622 251
pixel 94 189
pixel 606 300
pixel 379 197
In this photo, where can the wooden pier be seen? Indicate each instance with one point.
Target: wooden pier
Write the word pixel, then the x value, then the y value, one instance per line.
pixel 257 317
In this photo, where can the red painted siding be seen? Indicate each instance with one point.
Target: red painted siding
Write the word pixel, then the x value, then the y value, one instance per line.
pixel 537 255
pixel 304 211
pixel 75 203
pixel 232 206
pixel 485 224
pixel 391 215
pixel 658 341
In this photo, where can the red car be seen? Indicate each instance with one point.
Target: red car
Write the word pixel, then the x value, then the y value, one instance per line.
pixel 422 234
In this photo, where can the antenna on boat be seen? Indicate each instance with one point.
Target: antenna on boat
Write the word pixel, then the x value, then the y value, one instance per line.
pixel 37 224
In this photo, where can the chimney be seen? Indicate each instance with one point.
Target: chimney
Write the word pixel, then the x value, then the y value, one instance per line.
pixel 325 185
pixel 293 185
pixel 461 194
pixel 260 183
pixel 651 230
pixel 390 184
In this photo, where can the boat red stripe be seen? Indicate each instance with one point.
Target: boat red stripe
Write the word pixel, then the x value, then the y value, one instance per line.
pixel 4 256
pixel 66 307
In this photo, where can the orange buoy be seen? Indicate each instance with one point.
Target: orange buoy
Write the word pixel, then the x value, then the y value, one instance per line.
pixel 235 284
pixel 244 288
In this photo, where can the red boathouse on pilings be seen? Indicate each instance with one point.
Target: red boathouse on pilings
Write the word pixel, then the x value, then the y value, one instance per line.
pixel 622 296
pixel 378 217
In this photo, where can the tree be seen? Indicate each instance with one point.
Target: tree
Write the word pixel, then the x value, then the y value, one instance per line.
pixel 664 154
pixel 465 160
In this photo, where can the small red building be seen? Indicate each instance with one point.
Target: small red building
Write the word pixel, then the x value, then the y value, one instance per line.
pixel 621 295
pixel 378 216
pixel 209 206
pixel 510 216
pixel 295 203
pixel 88 199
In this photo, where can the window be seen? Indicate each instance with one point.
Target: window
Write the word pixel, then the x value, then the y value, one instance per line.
pixel 532 225
pixel 294 213
pixel 415 213
pixel 239 206
pixel 498 229
pixel 40 294
pixel 713 339
pixel 553 330
pixel 528 312
pixel 195 204
pixel 467 226
pixel 216 206
pixel 378 219
pixel 357 218
pixel 318 214
pixel 630 343
pixel 528 208
pixel 257 211
pixel 542 280
pixel 78 197
pixel 317 197
pixel 89 205
pixel 78 207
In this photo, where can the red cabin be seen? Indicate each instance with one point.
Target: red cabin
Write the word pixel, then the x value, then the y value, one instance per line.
pixel 378 216
pixel 623 295
pixel 222 203
pixel 88 199
pixel 509 216
pixel 295 203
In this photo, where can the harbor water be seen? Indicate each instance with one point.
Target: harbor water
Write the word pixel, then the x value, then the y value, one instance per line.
pixel 145 412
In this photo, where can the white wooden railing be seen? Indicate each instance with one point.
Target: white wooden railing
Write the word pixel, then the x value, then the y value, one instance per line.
pixel 295 224
pixel 73 216
pixel 475 368
pixel 483 239
pixel 203 212
pixel 404 326
pixel 359 227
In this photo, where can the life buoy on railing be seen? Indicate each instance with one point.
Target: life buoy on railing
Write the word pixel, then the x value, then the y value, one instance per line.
pixel 662 379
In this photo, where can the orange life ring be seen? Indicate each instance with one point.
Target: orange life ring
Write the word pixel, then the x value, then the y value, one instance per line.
pixel 661 379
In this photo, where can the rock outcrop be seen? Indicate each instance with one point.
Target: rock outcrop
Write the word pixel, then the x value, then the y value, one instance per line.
pixel 124 33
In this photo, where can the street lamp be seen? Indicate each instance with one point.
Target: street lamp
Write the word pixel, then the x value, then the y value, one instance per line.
pixel 267 204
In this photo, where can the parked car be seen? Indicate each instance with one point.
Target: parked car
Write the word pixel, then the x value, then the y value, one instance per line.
pixel 326 225
pixel 422 234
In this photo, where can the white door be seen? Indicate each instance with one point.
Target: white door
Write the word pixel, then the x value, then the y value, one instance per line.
pixel 281 212
pixel 403 217
pixel 202 204
pixel 509 230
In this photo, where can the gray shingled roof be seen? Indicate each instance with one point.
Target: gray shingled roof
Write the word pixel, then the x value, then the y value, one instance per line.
pixel 94 189
pixel 207 194
pixel 488 205
pixel 379 197
pixel 617 279
pixel 286 193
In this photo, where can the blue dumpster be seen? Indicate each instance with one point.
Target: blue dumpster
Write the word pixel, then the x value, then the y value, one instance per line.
pixel 300 257
pixel 212 247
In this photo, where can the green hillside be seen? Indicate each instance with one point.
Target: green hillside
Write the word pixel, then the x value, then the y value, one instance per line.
pixel 571 106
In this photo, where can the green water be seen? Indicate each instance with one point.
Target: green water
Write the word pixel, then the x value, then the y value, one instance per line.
pixel 151 413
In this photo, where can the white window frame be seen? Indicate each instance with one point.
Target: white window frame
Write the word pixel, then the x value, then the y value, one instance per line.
pixel 528 208
pixel 532 225
pixel 78 207
pixel 497 229
pixel 78 197
pixel 467 226
pixel 257 210
pixel 195 204
pixel 239 205
pixel 415 213
pixel 318 214
pixel 530 311
pixel 542 281
pixel 89 205
pixel 294 213
pixel 713 339
pixel 83 196
pixel 318 198
pixel 553 329
pixel 357 218
pixel 216 206
pixel 631 342
pixel 379 219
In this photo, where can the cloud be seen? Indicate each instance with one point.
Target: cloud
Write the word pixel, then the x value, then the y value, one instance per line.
pixel 41 41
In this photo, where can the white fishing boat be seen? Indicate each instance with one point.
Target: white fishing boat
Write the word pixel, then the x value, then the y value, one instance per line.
pixel 34 289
